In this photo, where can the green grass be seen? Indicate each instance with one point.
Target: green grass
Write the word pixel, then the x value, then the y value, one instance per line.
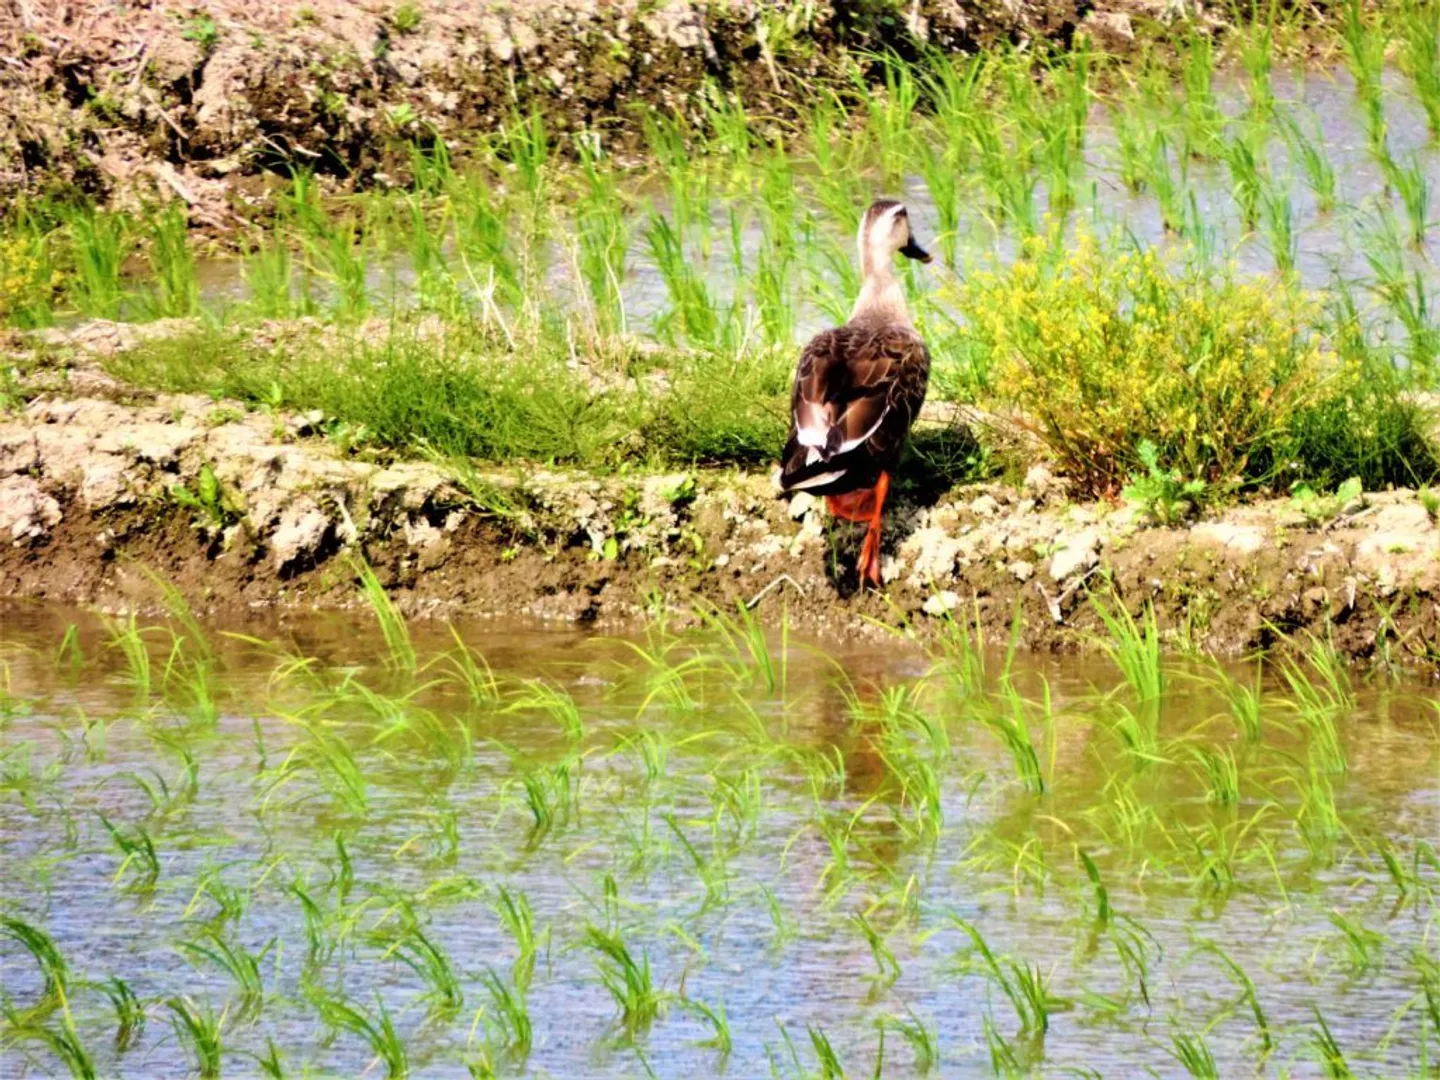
pixel 516 255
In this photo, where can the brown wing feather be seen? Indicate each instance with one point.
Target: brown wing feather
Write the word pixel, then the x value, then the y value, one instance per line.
pixel 861 387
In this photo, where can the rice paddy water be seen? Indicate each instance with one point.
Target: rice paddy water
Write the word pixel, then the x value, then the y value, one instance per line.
pixel 344 847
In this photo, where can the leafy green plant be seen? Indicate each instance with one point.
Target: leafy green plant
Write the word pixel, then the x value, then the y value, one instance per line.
pixel 1320 509
pixel 215 509
pixel 202 29
pixel 1163 494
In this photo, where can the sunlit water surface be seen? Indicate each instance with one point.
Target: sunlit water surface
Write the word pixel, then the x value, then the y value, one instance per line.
pixel 1330 246
pixel 797 833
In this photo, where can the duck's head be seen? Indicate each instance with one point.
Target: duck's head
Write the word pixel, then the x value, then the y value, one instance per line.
pixel 884 231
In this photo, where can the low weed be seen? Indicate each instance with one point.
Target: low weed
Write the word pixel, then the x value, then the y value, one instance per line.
pixel 1164 495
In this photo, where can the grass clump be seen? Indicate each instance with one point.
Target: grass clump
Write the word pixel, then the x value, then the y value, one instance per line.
pixel 462 392
pixel 1102 350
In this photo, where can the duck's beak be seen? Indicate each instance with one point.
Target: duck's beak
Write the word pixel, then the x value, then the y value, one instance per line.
pixel 912 250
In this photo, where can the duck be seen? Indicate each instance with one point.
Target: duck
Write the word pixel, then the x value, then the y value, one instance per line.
pixel 858 388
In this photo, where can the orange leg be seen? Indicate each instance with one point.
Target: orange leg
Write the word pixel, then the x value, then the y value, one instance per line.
pixel 869 564
pixel 853 505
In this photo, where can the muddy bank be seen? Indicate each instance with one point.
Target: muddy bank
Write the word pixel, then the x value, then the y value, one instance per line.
pixel 141 100
pixel 103 485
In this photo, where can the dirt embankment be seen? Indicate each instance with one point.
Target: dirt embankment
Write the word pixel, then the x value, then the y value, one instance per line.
pixel 101 483
pixel 141 98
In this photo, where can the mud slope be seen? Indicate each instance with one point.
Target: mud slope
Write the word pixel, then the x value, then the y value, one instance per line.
pixel 139 98
pixel 103 486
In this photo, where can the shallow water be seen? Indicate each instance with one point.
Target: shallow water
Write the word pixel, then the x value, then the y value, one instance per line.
pixel 803 792
pixel 1329 246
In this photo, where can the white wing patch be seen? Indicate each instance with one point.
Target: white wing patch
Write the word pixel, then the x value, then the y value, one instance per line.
pixel 816 481
pixel 851 444
pixel 810 436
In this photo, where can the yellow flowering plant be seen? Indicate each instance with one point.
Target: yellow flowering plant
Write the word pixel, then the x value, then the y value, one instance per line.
pixel 1099 349
pixel 29 283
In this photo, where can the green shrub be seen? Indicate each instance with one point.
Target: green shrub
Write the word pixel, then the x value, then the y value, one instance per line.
pixel 1102 349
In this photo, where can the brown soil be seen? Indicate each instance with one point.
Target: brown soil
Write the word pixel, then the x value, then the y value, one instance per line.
pixel 140 99
pixel 104 485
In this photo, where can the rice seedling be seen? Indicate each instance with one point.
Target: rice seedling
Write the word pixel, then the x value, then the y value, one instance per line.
pixel 1244 701
pixel 1248 994
pixel 1327 1050
pixel 693 316
pixel 1420 57
pixel 129 1012
pixel 1103 914
pixel 1307 148
pixel 335 253
pixel 1193 1055
pixel 62 1040
pixel 887 967
pixel 1318 704
pixel 128 639
pixel 921 1037
pixel 404 938
pixel 392 624
pixel 507 1001
pixel 1128 127
pixel 891 115
pixel 550 796
pixel 272 1062
pixel 231 901
pixel 712 872
pixel 1171 191
pixel 544 696
pixel 377 1028
pixel 603 238
pixel 201 1032
pixel 825 1056
pixel 141 862
pixel 1201 116
pixel 471 671
pixel 1256 57
pixel 628 980
pixel 1009 721
pixel 1243 159
pixel 1359 944
pixel 748 646
pixel 235 960
pixel 100 243
pixel 1024 985
pixel 518 919
pixel 1410 182
pixel 1221 774
pixel 1133 647
pixel 1278 219
pixel 1365 47
pixel 720 1040
pixel 327 759
pixel 54 970
pixel 177 293
pixel 1410 881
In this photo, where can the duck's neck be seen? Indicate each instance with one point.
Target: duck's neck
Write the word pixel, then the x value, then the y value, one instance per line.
pixel 881 299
